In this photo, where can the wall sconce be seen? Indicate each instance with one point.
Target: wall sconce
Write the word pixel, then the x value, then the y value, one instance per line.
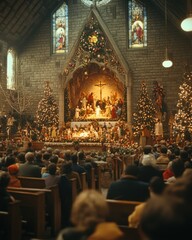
pixel 186 24
pixel 167 63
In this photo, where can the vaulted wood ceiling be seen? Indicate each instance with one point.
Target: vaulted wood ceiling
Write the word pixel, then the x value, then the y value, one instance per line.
pixel 20 18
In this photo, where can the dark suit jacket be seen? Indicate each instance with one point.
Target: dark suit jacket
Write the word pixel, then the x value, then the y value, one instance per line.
pixel 29 170
pixel 128 188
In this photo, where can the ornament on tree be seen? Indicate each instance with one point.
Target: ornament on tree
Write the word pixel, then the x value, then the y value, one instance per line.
pixel 145 115
pixel 183 118
pixel 47 113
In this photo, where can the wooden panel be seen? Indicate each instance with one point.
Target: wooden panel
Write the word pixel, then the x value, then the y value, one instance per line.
pixel 119 210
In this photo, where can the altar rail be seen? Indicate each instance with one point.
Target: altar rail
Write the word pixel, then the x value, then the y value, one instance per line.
pixel 85 146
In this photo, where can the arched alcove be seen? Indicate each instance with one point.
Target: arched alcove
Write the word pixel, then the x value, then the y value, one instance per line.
pixel 91 86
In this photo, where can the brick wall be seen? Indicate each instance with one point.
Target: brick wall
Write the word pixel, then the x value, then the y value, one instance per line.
pixel 36 64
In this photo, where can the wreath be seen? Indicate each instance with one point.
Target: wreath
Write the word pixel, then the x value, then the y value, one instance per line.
pixel 92 40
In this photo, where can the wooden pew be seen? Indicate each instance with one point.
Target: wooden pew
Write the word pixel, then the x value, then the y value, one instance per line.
pixel 53 205
pixel 53 201
pixel 130 233
pixel 91 184
pixel 12 220
pixel 31 182
pixel 118 166
pixel 119 210
pixel 32 205
pixel 95 182
pixel 98 178
pixel 83 181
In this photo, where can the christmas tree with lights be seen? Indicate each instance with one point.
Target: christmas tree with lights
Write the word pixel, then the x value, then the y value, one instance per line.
pixel 145 115
pixel 183 118
pixel 47 110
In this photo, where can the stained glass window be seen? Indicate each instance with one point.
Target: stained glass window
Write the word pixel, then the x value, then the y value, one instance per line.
pixel 137 24
pixel 11 68
pixel 60 29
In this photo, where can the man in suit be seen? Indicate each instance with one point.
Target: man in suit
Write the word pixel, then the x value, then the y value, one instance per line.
pixel 128 187
pixel 28 169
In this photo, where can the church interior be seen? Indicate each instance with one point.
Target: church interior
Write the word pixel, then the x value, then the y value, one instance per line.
pixel 92 59
pixel 102 77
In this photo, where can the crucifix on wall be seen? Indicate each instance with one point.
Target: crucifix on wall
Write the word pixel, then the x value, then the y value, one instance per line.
pixel 100 85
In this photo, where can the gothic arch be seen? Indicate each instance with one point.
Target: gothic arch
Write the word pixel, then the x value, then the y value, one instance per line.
pixel 108 56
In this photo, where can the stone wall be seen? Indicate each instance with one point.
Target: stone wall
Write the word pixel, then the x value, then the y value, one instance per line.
pixel 36 64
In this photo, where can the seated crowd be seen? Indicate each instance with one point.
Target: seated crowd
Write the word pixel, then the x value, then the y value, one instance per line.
pixel 160 177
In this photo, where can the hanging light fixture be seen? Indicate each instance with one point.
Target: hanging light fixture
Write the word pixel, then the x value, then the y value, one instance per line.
pixel 167 63
pixel 186 24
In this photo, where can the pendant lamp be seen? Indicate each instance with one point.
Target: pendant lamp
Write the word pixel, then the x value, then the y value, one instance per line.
pixel 186 24
pixel 167 63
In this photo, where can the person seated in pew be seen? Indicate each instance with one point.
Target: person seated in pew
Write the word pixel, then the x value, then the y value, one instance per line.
pixel 156 187
pixel 88 216
pixel 168 216
pixel 51 179
pixel 5 197
pixel 13 171
pixel 85 164
pixel 76 167
pixel 69 173
pixel 28 169
pixel 129 187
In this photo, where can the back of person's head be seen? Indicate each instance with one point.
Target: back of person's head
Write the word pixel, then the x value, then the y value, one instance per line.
pixel 89 209
pixel 132 170
pixel 13 169
pixel 4 179
pixel 171 156
pixel 81 155
pixel 52 168
pixel 56 152
pixel 10 160
pixel 66 167
pixel 38 156
pixel 21 157
pixel 46 156
pixel 177 167
pixel 156 185
pixel 184 155
pixel 176 151
pixel 50 150
pixel 29 157
pixel 147 149
pixel 163 149
pixel 182 188
pixel 165 218
pixel 54 159
pixel 67 155
pixel 74 158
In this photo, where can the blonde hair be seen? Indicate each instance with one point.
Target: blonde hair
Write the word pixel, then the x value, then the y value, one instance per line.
pixel 89 209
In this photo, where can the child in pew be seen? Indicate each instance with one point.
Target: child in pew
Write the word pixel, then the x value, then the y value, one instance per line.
pixel 5 197
pixel 13 171
pixel 88 215
pixel 51 179
pixel 156 187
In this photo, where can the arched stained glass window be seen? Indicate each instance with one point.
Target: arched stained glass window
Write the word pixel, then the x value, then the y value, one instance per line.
pixel 60 29
pixel 11 68
pixel 137 24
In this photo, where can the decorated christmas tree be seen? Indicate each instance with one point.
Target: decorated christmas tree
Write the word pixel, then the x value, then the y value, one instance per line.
pixel 47 111
pixel 183 118
pixel 145 115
